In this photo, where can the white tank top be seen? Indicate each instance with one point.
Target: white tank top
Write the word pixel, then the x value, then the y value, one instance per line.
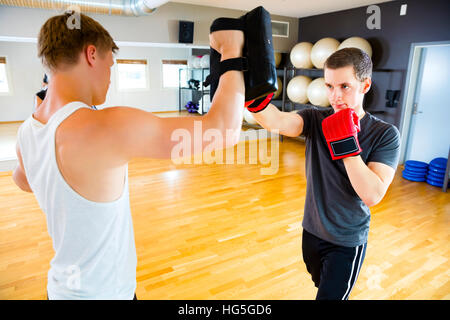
pixel 95 254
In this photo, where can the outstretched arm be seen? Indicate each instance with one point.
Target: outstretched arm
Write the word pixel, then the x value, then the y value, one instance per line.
pixel 272 119
pixel 131 132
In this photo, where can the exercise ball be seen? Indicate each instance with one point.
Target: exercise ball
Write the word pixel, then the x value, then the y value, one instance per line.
pixel 277 58
pixel 297 88
pixel 248 117
pixel 196 63
pixel 301 55
pixel 204 61
pixel 317 93
pixel 357 42
pixel 277 93
pixel 321 50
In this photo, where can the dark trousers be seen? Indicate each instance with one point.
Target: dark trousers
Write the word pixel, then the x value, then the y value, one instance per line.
pixel 334 269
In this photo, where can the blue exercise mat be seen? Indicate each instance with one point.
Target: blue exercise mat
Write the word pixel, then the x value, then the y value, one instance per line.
pixel 413 178
pixel 436 169
pixel 416 164
pixel 416 171
pixel 437 180
pixel 436 174
pixel 436 184
pixel 414 174
pixel 439 163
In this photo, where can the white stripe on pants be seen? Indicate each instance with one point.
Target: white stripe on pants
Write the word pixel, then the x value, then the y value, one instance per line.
pixel 358 267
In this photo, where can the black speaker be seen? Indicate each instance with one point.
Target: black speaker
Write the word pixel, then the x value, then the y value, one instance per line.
pixel 186 32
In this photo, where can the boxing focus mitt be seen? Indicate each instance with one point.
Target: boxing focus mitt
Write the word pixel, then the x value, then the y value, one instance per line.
pixel 258 61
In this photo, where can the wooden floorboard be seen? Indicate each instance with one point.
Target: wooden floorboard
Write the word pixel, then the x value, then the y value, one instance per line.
pixel 228 232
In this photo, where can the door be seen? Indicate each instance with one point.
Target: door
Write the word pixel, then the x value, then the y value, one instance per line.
pixel 430 122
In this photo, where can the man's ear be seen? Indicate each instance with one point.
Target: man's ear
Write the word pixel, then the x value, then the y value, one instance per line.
pixel 367 83
pixel 91 54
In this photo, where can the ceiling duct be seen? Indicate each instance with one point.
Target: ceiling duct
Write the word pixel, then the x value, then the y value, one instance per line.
pixel 110 7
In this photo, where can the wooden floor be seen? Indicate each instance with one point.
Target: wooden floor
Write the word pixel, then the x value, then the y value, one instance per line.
pixel 228 232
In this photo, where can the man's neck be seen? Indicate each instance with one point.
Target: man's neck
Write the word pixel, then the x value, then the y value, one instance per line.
pixel 66 88
pixel 361 114
pixel 59 94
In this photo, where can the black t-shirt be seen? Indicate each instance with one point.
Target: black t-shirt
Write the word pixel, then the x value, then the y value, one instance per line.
pixel 333 210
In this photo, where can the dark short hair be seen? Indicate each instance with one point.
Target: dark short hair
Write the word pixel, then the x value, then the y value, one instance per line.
pixel 355 57
pixel 58 44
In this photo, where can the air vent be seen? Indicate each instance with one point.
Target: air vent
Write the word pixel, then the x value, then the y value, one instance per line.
pixel 280 29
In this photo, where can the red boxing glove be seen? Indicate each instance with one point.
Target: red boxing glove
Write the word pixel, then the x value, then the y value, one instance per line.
pixel 341 132
pixel 258 105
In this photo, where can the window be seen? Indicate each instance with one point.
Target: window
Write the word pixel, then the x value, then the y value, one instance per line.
pixel 174 71
pixel 131 74
pixel 4 86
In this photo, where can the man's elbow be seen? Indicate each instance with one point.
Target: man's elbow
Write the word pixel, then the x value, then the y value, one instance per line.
pixel 373 199
pixel 228 128
pixel 24 186
pixel 27 190
pixel 370 203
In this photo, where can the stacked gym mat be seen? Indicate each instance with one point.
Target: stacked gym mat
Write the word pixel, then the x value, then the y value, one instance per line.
pixel 415 170
pixel 433 173
pixel 436 172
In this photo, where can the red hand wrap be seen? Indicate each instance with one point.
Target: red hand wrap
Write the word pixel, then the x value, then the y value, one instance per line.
pixel 258 104
pixel 341 133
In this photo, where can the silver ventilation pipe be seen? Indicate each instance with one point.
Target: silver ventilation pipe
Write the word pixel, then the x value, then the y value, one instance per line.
pixel 110 7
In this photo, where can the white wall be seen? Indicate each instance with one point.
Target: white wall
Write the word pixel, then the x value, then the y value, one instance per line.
pixel 156 98
pixel 25 71
pixel 25 75
pixel 159 27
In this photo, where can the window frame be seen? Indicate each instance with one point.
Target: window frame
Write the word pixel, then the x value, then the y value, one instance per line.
pixel 8 78
pixel 175 62
pixel 132 61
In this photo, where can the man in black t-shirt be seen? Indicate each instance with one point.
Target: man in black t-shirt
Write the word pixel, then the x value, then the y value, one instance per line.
pixel 40 95
pixel 351 158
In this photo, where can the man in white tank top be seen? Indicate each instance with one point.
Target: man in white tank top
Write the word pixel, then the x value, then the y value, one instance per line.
pixel 75 159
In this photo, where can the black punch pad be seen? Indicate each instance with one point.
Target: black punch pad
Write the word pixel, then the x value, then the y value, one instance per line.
pixel 259 61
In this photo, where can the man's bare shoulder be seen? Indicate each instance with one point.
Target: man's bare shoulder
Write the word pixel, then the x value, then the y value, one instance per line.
pixel 112 133
pixel 92 122
pixel 83 122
